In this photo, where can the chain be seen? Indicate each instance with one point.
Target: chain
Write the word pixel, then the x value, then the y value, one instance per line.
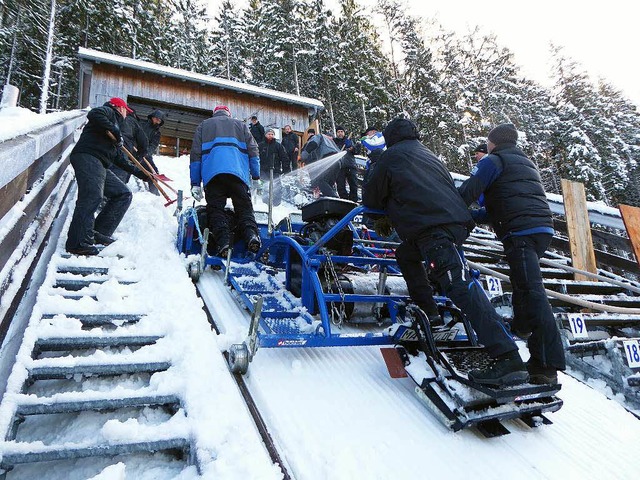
pixel 341 311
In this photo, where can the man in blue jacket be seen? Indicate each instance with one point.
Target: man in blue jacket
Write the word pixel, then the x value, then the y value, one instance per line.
pixel 91 158
pixel 516 206
pixel 417 192
pixel 224 157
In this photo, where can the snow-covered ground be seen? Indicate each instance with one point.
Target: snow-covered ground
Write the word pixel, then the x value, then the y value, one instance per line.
pixel 333 412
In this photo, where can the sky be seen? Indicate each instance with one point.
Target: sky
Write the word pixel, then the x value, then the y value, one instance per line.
pixel 601 36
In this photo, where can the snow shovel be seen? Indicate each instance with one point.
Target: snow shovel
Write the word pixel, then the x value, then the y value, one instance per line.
pixel 144 170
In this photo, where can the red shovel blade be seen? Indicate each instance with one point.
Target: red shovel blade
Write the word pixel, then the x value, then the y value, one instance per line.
pixel 163 177
pixel 393 362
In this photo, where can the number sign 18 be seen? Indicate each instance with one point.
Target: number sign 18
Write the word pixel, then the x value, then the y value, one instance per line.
pixel 578 325
pixel 632 351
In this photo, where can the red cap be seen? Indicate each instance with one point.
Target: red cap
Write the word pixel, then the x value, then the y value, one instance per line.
pixel 118 102
pixel 222 107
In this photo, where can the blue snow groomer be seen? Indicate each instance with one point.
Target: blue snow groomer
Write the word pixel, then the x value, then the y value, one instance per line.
pixel 322 278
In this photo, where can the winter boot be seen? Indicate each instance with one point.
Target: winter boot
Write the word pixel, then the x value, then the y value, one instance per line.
pixel 84 250
pixel 506 369
pixel 539 375
pixel 102 239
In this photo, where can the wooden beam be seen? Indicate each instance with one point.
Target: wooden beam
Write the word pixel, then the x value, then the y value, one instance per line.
pixel 631 218
pixel 579 228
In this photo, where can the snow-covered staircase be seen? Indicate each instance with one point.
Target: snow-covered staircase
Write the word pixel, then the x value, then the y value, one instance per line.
pixel 102 346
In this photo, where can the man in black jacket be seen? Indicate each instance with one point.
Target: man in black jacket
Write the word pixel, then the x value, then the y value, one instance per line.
pixel 256 129
pixel 291 144
pixel 151 128
pixel 91 158
pixel 272 157
pixel 418 194
pixel 516 205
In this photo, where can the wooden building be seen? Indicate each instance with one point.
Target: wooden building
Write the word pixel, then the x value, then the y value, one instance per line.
pixel 187 97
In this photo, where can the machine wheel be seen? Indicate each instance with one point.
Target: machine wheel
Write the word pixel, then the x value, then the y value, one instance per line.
pixel 239 358
pixel 194 271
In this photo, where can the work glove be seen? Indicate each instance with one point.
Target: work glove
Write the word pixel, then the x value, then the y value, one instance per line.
pixel 383 226
pixel 119 141
pixel 196 193
pixel 257 185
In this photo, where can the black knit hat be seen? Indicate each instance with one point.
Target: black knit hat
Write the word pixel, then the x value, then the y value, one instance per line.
pixel 505 133
pixel 400 129
pixel 340 127
pixel 482 148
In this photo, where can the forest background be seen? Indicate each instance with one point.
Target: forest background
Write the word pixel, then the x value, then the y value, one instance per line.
pixel 367 67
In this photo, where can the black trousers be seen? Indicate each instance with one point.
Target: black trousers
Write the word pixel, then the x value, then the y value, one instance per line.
pixel 348 176
pixel 531 309
pixel 440 249
pixel 94 183
pixel 216 192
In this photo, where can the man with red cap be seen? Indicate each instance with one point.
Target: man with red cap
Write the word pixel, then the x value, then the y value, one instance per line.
pixel 225 158
pixel 91 158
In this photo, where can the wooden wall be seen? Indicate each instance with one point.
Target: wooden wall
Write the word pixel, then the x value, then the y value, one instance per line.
pixel 111 81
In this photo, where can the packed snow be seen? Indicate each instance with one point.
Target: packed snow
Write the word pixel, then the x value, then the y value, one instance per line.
pixel 16 121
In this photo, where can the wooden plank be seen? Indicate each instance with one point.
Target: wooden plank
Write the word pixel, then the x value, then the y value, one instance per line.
pixel 12 192
pixel 579 228
pixel 631 219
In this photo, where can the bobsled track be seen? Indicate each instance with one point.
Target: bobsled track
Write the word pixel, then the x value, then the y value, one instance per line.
pixel 120 372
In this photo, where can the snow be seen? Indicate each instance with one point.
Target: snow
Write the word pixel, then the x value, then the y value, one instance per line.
pixel 16 121
pixel 332 412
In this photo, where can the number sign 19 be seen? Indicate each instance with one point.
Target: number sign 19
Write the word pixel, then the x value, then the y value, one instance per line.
pixel 578 325
pixel 632 350
pixel 494 286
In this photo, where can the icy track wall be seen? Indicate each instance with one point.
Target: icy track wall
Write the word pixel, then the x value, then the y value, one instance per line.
pixel 34 182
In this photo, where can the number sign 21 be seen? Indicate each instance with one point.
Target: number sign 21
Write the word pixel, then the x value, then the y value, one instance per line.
pixel 577 325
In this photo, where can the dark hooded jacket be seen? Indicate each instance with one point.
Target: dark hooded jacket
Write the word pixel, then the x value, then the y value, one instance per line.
pixel 413 186
pixel 95 141
pixel 134 138
pixel 153 131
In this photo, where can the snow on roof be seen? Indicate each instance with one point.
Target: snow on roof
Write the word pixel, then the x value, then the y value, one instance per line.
pixel 99 57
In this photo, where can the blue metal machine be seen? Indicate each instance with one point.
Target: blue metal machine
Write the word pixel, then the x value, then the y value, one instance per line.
pixel 307 298
pixel 323 279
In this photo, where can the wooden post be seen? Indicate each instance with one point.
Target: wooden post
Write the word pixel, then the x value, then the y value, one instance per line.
pixel 631 218
pixel 575 207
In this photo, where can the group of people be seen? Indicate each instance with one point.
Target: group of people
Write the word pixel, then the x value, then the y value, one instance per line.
pixel 102 171
pixel 432 218
pixel 405 179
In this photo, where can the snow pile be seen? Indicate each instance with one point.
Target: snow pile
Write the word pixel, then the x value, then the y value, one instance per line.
pixel 16 121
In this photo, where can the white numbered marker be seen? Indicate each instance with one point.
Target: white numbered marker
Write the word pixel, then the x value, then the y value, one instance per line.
pixel 632 351
pixel 578 325
pixel 494 286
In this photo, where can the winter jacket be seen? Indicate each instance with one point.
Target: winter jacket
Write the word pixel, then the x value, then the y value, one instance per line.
pixel 317 147
pixel 257 130
pixel 513 193
pixel 290 142
pixel 134 138
pixel 223 145
pixel 413 187
pixel 153 131
pixel 273 155
pixel 95 141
